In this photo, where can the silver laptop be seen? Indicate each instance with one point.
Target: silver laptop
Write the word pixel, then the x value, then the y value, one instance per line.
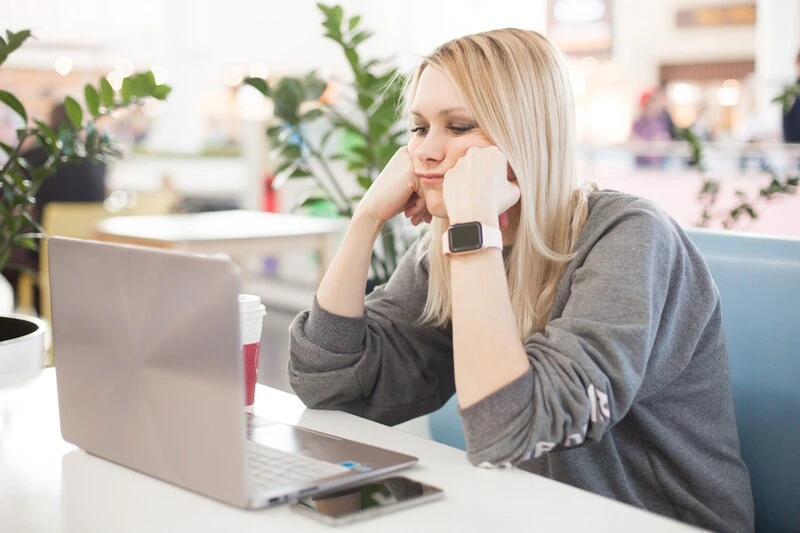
pixel 150 376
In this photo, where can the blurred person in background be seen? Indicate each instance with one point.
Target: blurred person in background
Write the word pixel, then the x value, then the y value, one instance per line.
pixel 791 120
pixel 73 182
pixel 662 104
pixel 701 125
pixel 652 124
pixel 753 129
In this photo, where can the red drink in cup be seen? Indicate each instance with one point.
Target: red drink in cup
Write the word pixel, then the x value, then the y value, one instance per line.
pixel 251 352
pixel 251 318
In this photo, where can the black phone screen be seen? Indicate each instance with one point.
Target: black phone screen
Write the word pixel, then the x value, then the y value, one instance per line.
pixel 370 499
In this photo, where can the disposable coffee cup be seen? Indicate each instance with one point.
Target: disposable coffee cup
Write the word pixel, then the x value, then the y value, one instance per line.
pixel 251 319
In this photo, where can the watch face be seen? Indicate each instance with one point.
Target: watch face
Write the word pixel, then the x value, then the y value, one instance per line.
pixel 465 237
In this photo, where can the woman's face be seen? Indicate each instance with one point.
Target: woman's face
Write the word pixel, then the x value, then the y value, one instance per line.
pixel 441 132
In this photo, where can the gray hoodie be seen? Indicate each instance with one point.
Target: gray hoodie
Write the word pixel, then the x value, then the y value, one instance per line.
pixel 628 393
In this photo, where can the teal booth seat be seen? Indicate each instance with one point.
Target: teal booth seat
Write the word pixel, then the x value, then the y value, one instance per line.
pixel 759 282
pixel 445 425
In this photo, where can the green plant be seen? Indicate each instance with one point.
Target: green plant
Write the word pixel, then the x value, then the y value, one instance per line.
pixel 78 139
pixel 362 129
pixel 788 97
pixel 747 206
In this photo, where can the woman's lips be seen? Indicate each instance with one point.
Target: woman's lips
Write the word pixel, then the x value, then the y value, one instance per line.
pixel 430 178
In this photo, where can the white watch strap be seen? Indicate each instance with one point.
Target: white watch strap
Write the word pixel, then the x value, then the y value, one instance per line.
pixel 492 238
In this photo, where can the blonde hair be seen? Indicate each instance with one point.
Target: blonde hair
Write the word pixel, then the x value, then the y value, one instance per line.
pixel 516 85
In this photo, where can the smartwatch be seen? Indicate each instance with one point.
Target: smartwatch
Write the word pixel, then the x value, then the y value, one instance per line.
pixel 470 237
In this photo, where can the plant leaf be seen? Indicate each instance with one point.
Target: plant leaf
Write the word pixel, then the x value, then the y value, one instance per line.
pixel 259 84
pixel 352 58
pixel 324 8
pixel 47 131
pixel 31 222
pixel 161 91
pixel 314 86
pixel 12 42
pixel 365 182
pixel 384 117
pixel 46 143
pixel 337 13
pixel 128 91
pixel 11 101
pixel 15 40
pixel 326 137
pixel 360 37
pixel 313 114
pixel 74 112
pixel 298 173
pixel 106 93
pixel 351 25
pixel 145 82
pixel 92 100
pixel 366 101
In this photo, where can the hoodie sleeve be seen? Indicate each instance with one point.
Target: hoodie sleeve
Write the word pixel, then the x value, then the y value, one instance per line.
pixel 587 365
pixel 385 365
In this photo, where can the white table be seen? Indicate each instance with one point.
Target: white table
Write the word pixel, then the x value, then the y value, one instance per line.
pixel 49 485
pixel 238 233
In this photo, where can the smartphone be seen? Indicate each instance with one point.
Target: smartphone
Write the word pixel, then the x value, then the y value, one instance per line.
pixel 361 502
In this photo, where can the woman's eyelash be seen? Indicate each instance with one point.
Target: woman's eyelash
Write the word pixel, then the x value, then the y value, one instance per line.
pixel 461 128
pixel 457 129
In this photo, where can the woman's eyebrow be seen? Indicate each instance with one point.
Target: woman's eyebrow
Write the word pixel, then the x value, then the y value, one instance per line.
pixel 443 112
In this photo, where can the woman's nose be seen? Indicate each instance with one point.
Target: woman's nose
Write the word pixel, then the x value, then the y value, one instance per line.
pixel 431 149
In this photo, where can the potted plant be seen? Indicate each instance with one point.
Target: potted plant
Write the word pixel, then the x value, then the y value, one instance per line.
pixel 360 127
pixel 747 206
pixel 22 337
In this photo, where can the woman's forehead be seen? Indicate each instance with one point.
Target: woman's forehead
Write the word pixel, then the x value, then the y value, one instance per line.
pixel 436 93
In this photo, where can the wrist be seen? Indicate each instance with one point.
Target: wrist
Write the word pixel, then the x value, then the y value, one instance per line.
pixel 470 237
pixel 487 219
pixel 367 222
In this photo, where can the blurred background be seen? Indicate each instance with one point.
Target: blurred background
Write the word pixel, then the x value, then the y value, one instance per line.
pixel 713 65
pixel 643 73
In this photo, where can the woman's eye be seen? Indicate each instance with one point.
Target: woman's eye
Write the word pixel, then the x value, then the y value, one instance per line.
pixel 456 129
pixel 461 128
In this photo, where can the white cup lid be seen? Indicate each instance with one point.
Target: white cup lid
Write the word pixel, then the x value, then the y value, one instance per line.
pixel 250 303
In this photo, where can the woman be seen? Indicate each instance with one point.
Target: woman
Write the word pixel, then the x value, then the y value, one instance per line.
pixel 654 124
pixel 584 339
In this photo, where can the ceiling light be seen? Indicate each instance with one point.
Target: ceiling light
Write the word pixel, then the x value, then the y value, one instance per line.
pixel 578 11
pixel 233 76
pixel 259 69
pixel 125 67
pixel 63 65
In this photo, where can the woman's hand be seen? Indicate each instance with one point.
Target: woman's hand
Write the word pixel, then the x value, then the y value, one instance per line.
pixel 395 191
pixel 480 187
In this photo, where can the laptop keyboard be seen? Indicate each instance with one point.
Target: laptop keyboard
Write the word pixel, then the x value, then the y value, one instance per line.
pixel 269 469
